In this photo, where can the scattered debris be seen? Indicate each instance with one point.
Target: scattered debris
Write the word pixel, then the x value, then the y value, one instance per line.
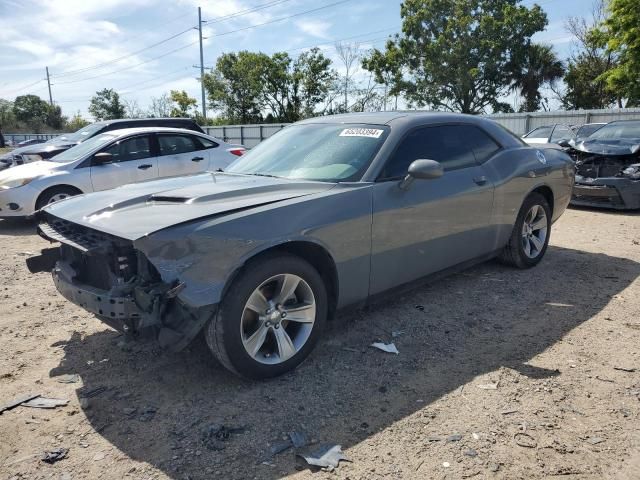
pixel 525 440
pixel 456 437
pixel 68 378
pixel 397 333
pixel 434 438
pixel 53 456
pixel 470 452
pixel 99 456
pixel 279 447
pixel 446 464
pixel 129 411
pixel 385 347
pixel 494 467
pixel 488 386
pixel 509 412
pixel 325 456
pixel 350 349
pixel 595 440
pixel 419 307
pixel 604 379
pixel 93 392
pixel 43 402
pixel 215 434
pixel 84 403
pixel 625 369
pixel 298 439
pixel 475 436
pixel 18 401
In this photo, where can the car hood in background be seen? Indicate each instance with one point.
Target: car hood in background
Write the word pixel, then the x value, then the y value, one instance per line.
pixel 136 210
pixel 626 146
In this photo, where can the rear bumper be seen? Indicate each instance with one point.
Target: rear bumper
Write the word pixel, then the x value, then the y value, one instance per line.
pixel 613 192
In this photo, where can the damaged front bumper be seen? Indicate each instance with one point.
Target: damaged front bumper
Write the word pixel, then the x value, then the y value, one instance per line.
pixel 109 278
pixel 607 192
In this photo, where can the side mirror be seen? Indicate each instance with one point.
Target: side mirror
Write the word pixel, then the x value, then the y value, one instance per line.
pixel 422 170
pixel 102 158
pixel 564 143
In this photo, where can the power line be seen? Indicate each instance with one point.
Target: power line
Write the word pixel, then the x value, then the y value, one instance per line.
pixel 279 19
pixel 110 62
pixel 16 90
pixel 129 67
pixel 247 11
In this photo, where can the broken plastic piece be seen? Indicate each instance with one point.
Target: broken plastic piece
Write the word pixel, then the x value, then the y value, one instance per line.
pixel 386 347
pixel 53 456
pixel 325 456
pixel 43 402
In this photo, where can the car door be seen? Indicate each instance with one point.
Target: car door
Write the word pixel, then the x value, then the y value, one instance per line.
pixel 432 224
pixel 133 161
pixel 180 154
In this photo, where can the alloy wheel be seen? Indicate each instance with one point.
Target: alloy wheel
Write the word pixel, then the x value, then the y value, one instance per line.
pixel 534 231
pixel 278 319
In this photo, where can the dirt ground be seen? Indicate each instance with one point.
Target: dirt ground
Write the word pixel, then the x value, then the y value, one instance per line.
pixel 501 374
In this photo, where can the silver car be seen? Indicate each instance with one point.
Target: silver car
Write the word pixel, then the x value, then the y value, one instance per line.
pixel 327 213
pixel 109 160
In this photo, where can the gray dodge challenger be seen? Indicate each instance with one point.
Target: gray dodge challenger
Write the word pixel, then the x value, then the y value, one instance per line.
pixel 329 212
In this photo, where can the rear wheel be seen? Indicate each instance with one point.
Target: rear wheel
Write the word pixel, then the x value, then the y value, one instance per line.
pixel 530 236
pixel 270 318
pixel 55 194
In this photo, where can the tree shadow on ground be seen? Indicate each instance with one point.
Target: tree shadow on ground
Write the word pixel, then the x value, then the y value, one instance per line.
pixel 16 227
pixel 466 325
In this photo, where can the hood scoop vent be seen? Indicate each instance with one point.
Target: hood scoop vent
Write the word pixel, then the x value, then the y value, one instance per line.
pixel 167 199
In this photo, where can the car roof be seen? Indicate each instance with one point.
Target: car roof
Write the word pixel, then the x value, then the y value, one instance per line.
pixel 399 117
pixel 145 120
pixel 133 130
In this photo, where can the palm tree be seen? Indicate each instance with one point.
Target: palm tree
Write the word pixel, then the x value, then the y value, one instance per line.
pixel 539 66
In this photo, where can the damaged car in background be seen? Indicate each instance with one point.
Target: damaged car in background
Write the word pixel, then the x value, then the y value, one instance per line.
pixel 328 212
pixel 608 167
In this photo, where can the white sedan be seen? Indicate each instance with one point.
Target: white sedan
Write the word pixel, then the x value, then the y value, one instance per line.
pixel 109 160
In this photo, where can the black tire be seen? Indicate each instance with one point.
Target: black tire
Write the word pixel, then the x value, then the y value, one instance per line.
pixel 223 333
pixel 514 253
pixel 50 194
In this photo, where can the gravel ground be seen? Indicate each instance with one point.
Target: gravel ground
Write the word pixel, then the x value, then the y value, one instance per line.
pixel 501 374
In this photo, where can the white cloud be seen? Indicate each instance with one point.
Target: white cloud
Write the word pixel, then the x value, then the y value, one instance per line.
pixel 315 28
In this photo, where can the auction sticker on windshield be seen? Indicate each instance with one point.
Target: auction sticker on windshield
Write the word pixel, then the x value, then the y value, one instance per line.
pixel 361 132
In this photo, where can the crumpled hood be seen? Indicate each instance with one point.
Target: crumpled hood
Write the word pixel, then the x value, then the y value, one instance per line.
pixel 30 170
pixel 626 146
pixel 138 209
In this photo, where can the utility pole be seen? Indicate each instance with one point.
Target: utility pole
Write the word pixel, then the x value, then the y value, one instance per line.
pixel 49 84
pixel 204 105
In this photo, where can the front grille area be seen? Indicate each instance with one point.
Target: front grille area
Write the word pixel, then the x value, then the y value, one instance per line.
pixel 591 165
pixel 78 236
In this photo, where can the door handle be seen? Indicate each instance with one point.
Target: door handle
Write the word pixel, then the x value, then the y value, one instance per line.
pixel 197 159
pixel 480 180
pixel 145 166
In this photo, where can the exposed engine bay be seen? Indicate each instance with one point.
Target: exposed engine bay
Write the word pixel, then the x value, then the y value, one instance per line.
pixel 590 165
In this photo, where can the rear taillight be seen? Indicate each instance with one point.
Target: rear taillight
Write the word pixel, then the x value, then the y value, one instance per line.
pixel 238 152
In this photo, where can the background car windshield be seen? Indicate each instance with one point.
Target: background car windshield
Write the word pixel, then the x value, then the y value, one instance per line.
pixel 615 131
pixel 80 150
pixel 326 152
pixel 587 130
pixel 80 135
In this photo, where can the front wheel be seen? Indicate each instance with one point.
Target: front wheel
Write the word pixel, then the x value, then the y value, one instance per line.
pixel 55 194
pixel 270 318
pixel 530 236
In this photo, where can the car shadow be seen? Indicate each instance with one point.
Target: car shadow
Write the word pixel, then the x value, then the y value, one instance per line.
pixel 466 325
pixel 613 211
pixel 17 227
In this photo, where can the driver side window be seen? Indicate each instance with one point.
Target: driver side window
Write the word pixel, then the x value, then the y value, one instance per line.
pixel 446 144
pixel 136 148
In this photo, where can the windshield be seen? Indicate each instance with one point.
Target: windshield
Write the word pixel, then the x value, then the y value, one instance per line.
pixel 618 130
pixel 80 135
pixel 586 130
pixel 81 150
pixel 325 152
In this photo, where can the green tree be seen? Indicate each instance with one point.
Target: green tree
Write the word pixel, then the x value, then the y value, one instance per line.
pixel 235 86
pixel 182 103
pixel 76 123
pixel 7 117
pixel 458 54
pixel 54 118
pixel 585 87
pixel 539 66
pixel 31 110
pixel 106 105
pixel 621 32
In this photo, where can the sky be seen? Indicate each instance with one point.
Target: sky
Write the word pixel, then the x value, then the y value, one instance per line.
pixel 144 48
